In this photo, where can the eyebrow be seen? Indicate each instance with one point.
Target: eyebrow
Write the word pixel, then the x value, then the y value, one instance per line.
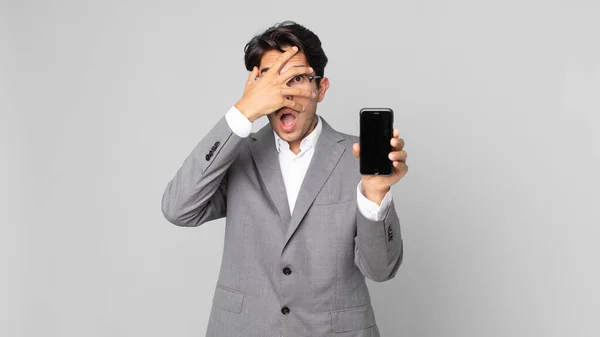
pixel 265 69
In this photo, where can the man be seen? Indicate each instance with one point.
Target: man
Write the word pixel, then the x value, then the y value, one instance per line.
pixel 303 227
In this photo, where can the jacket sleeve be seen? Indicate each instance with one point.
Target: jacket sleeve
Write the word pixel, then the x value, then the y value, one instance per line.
pixel 378 245
pixel 198 191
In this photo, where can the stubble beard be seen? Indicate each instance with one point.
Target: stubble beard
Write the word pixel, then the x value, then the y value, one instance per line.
pixel 310 129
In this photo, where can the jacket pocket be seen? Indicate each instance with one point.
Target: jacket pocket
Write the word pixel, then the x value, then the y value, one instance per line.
pixel 228 300
pixel 352 319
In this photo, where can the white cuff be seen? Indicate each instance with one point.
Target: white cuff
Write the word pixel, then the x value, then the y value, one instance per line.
pixel 238 123
pixel 370 209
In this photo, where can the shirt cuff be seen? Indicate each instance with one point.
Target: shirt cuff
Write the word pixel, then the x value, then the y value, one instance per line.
pixel 370 209
pixel 238 123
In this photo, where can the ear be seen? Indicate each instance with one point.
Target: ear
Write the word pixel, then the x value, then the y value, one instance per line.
pixel 323 86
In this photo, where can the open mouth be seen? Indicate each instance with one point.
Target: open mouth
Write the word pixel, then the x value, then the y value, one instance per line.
pixel 287 119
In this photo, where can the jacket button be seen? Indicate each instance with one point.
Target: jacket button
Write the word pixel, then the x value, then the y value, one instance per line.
pixel 287 271
pixel 285 310
pixel 207 157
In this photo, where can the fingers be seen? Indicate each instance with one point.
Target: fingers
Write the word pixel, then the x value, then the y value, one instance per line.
pixel 293 105
pixel 397 143
pixel 401 167
pixel 253 74
pixel 282 59
pixel 292 72
pixel 287 91
pixel 398 156
pixel 356 150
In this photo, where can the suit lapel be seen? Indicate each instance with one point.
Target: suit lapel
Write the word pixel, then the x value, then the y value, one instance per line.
pixel 266 159
pixel 328 152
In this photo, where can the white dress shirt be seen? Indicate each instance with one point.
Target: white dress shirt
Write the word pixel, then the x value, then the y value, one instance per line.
pixel 294 166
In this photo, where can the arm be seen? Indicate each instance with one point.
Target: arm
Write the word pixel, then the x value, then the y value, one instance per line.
pixel 378 246
pixel 378 243
pixel 198 192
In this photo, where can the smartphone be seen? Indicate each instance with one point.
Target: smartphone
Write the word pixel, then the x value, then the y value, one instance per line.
pixel 376 131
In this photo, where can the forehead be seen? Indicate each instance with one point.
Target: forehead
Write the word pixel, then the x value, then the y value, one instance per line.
pixel 269 58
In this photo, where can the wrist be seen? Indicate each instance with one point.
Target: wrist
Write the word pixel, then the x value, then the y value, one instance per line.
pixel 375 195
pixel 246 111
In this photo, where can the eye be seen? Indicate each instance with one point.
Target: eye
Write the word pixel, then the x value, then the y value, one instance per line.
pixel 298 78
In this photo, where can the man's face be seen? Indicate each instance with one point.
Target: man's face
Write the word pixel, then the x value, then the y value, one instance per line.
pixel 297 124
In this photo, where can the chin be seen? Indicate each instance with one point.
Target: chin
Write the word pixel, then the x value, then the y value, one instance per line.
pixel 288 136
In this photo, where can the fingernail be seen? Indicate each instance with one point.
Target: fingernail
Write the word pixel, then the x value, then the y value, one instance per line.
pixel 310 69
pixel 295 48
pixel 314 95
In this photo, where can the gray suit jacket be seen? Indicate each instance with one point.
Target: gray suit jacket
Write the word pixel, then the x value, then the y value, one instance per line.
pixel 282 274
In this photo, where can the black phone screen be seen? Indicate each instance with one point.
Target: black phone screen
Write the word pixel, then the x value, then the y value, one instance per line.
pixel 376 128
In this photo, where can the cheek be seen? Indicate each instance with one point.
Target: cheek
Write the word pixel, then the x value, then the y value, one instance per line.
pixel 311 105
pixel 308 102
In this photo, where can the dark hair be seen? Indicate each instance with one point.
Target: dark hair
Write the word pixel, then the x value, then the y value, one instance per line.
pixel 286 34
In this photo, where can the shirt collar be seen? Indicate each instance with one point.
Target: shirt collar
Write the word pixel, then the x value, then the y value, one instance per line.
pixel 308 141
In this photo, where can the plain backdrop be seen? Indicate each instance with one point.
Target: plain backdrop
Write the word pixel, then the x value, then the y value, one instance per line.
pixel 498 103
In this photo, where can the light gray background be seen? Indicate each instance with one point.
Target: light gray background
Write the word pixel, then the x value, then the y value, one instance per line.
pixel 498 103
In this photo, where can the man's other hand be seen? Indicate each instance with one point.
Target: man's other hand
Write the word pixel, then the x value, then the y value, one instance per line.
pixel 377 186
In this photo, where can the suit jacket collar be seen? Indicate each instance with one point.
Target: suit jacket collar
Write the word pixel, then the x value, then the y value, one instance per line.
pixel 327 153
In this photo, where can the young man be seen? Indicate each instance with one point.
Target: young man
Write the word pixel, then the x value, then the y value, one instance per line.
pixel 303 227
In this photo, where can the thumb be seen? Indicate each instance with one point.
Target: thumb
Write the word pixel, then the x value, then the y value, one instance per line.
pixel 356 150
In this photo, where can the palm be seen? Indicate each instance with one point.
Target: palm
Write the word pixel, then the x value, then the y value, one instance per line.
pixel 380 183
